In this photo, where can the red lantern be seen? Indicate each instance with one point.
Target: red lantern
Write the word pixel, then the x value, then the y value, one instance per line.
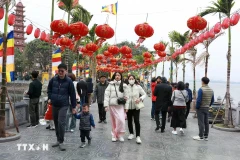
pixel 226 23
pixel 147 55
pixel 83 50
pixel 29 29
pixel 47 38
pixel 234 19
pixel 92 47
pixel 65 41
pixel 59 26
pixel 106 53
pixel 144 30
pixel 78 29
pixel 56 35
pixel 104 31
pixel 113 49
pixel 148 60
pixel 159 47
pixel 104 61
pixel 206 35
pixel 1 13
pixel 99 57
pixel 128 56
pixel 58 41
pixel 37 33
pixel 196 23
pixel 162 54
pixel 212 33
pixel 43 36
pixel 125 50
pixel 11 19
pixel 217 28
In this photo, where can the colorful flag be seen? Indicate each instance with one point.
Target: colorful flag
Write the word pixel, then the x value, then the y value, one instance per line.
pixel 56 60
pixel 112 8
pixel 10 57
pixel 74 67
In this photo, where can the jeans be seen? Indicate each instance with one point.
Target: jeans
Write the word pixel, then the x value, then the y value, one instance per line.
pixel 101 112
pixel 133 113
pixel 153 109
pixel 34 111
pixel 164 115
pixel 59 117
pixel 83 134
pixel 73 120
pixel 203 124
pixel 187 109
pixel 82 102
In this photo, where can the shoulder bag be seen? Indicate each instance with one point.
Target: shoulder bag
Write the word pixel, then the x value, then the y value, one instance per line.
pixel 120 101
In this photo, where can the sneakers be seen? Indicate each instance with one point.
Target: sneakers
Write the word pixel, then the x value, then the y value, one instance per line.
pixel 174 132
pixel 114 139
pixel 138 140
pixel 198 138
pixel 105 121
pixel 31 126
pixel 72 130
pixel 181 131
pixel 131 136
pixel 99 121
pixel 56 144
pixel 83 145
pixel 121 139
pixel 52 128
pixel 206 138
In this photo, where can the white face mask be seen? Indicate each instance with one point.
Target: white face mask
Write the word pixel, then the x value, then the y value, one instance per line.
pixel 131 81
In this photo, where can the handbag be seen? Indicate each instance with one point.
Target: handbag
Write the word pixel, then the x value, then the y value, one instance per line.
pixel 120 100
pixel 139 105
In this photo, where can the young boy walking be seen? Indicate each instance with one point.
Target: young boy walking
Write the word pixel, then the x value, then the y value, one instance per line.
pixel 86 121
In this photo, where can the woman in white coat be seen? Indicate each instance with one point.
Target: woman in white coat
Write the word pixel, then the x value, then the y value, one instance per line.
pixel 135 91
pixel 117 90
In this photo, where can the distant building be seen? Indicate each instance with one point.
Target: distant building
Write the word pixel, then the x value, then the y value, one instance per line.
pixel 19 40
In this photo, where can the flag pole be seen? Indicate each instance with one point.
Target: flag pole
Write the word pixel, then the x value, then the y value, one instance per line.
pixel 116 24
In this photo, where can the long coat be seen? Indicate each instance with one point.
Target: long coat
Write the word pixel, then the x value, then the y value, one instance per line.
pixel 163 92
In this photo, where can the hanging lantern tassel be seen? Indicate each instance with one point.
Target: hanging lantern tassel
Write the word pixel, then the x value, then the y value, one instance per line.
pixel 139 41
pixel 100 41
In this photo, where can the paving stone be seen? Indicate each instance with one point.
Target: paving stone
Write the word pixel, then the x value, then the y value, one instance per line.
pixel 155 145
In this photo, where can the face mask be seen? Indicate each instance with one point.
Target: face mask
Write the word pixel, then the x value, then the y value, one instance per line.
pixel 131 81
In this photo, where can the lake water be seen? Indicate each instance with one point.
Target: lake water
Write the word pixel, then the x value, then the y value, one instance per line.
pixel 220 90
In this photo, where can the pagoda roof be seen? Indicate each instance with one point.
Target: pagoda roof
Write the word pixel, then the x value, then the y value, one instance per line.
pixel 19 4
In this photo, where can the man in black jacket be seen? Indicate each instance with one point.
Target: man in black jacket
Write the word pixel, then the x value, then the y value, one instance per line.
pixel 60 88
pixel 99 95
pixel 164 93
pixel 34 92
pixel 82 90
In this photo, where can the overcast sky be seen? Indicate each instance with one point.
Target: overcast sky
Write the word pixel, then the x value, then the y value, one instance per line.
pixel 164 16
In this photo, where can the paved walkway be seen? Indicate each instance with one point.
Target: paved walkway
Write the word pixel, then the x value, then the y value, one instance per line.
pixel 155 145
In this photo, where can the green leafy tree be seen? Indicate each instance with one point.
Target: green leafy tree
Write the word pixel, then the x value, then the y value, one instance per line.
pixel 19 61
pixel 224 7
pixel 180 40
pixel 36 52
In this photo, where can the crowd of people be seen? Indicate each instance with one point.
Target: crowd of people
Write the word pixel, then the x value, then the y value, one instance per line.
pixel 123 99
